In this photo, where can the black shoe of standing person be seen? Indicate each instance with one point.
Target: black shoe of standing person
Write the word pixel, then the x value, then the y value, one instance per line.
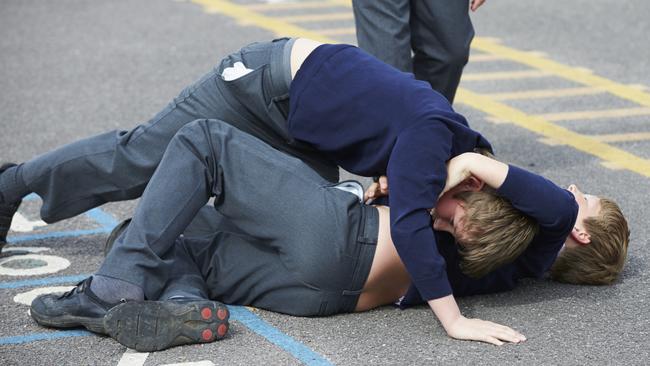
pixel 117 231
pixel 79 307
pixel 7 212
pixel 148 326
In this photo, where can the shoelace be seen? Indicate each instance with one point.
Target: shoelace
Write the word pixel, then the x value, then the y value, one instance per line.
pixel 78 286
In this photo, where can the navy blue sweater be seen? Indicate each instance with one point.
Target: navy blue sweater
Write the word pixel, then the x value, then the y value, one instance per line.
pixel 372 119
pixel 555 210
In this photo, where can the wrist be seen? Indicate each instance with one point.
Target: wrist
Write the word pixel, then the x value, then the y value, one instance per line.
pixel 446 311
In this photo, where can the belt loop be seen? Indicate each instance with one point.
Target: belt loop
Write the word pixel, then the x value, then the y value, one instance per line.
pixel 278 68
pixel 362 237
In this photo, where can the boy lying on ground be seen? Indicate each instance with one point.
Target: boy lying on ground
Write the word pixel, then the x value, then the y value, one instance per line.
pixel 297 244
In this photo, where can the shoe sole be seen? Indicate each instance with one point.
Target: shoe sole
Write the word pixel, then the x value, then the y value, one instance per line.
pixel 148 326
pixel 69 321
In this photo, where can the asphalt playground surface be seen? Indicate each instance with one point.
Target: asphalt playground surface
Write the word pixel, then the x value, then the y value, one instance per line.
pixel 74 68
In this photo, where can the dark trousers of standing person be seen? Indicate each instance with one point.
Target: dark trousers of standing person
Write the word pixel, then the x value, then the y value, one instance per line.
pixel 438 33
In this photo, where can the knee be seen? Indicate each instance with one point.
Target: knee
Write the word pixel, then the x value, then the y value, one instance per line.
pixel 453 55
pixel 192 133
pixel 202 134
pixel 457 55
pixel 199 129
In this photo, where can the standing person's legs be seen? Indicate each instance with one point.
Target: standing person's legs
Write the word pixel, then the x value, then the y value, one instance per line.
pixel 383 30
pixel 441 34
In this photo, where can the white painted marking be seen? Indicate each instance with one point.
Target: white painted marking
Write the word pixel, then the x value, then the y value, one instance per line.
pixel 53 264
pixel 22 225
pixel 26 298
pixel 25 249
pixel 133 358
pixel 198 363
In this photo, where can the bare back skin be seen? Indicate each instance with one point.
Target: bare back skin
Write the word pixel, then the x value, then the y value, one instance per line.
pixel 388 279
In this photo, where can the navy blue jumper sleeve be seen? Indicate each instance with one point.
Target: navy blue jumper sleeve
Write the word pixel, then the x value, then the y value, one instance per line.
pixel 417 173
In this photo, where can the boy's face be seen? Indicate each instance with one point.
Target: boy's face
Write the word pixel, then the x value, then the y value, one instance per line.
pixel 448 213
pixel 588 206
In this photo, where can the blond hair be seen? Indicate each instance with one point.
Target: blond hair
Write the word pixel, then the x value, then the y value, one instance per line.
pixel 600 261
pixel 494 232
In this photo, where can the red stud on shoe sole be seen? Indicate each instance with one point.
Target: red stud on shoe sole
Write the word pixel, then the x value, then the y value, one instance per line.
pixel 206 335
pixel 221 330
pixel 206 313
pixel 222 314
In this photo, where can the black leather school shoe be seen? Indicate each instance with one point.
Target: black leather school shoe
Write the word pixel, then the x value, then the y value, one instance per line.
pixel 79 307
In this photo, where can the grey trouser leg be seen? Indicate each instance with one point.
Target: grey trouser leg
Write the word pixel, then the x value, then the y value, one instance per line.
pixel 211 262
pixel 383 30
pixel 439 32
pixel 275 199
pixel 118 165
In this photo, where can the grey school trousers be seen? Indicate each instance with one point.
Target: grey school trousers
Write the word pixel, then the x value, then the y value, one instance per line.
pixel 285 240
pixel 438 31
pixel 117 165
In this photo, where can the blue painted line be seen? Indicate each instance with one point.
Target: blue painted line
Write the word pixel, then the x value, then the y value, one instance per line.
pixel 106 220
pixel 43 281
pixel 58 234
pixel 31 197
pixel 273 335
pixel 44 336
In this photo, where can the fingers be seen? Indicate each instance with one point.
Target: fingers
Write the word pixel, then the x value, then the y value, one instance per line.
pixel 475 4
pixel 371 192
pixel 493 340
pixel 377 189
pixel 503 333
pixel 383 185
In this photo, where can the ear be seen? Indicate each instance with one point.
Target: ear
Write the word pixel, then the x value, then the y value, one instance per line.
pixel 443 225
pixel 580 236
pixel 473 184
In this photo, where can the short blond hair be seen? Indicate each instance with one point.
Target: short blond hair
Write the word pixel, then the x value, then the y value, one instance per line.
pixel 494 232
pixel 602 260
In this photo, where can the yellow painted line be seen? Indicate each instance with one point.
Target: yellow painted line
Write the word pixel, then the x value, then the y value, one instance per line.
pixel 537 124
pixel 545 93
pixel 567 72
pixel 246 16
pixel 338 31
pixel 504 75
pixel 291 5
pixel 347 3
pixel 316 17
pixel 485 57
pixel 595 114
pixel 623 137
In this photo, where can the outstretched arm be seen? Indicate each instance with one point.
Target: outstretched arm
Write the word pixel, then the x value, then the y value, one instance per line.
pixel 417 173
pixel 459 327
